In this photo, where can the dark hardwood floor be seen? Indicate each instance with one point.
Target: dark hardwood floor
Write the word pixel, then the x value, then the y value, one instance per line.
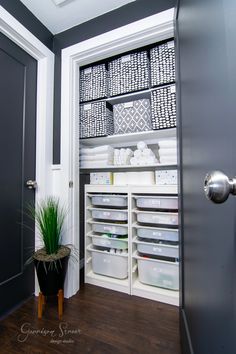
pixel 97 321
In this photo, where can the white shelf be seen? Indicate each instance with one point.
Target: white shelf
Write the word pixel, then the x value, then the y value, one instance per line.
pixel 152 189
pixel 131 139
pixel 107 282
pixel 129 167
pixel 154 293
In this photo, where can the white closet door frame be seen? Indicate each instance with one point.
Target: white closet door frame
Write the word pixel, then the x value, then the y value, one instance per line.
pixel 16 32
pixel 137 34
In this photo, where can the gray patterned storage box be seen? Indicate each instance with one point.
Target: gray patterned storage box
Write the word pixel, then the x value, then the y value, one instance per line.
pixel 96 119
pixel 132 116
pixel 93 83
pixel 163 106
pixel 128 73
pixel 162 63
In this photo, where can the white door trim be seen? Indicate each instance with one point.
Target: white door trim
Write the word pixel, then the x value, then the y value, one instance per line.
pixel 15 31
pixel 137 34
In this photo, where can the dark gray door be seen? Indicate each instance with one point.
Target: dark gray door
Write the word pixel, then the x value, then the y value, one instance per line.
pixel 206 31
pixel 18 78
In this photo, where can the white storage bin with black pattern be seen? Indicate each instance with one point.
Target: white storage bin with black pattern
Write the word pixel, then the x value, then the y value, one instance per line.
pixel 133 116
pixel 93 83
pixel 96 119
pixel 162 64
pixel 128 73
pixel 163 107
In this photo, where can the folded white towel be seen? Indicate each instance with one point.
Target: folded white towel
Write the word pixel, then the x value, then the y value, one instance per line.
pixel 134 161
pixel 168 152
pixel 147 152
pixel 97 150
pixel 96 157
pixel 168 160
pixel 170 143
pixel 95 164
pixel 137 153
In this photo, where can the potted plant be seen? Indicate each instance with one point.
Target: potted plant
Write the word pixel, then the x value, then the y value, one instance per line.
pixel 51 261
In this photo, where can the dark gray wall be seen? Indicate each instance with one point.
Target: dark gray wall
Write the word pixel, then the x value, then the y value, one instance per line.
pixel 23 15
pixel 107 22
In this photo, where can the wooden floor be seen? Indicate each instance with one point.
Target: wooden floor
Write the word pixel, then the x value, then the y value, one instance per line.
pixel 97 321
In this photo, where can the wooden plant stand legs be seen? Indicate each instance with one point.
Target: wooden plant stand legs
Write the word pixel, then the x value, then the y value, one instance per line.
pixel 42 302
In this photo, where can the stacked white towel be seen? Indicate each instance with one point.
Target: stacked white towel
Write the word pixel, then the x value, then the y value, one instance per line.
pixel 100 156
pixel 168 151
pixel 143 156
pixel 122 157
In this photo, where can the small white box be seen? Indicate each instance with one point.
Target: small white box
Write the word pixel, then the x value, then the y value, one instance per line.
pixel 166 177
pixel 101 178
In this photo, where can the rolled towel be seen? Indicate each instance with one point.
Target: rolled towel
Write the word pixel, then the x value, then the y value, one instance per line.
pixel 134 161
pixel 141 145
pixel 147 152
pixel 116 157
pixel 137 153
pixel 168 143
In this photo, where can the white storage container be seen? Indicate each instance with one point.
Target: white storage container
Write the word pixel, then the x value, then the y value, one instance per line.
pixel 110 215
pixel 157 218
pixel 158 249
pixel 118 201
pixel 159 234
pixel 156 202
pixel 109 264
pixel 158 273
pixel 110 229
pixel 110 242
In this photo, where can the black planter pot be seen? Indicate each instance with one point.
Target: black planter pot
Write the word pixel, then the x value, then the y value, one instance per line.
pixel 51 277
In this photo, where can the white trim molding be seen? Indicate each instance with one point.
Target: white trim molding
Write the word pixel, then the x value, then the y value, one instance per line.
pixel 137 34
pixel 16 32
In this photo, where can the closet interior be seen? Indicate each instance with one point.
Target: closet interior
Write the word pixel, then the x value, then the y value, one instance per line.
pixel 128 173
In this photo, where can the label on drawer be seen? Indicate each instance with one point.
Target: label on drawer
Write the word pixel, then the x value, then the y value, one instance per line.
pixel 156 202
pixel 157 249
pixel 128 104
pixel 125 58
pixel 157 233
pixel 106 260
pixel 106 213
pixel 106 200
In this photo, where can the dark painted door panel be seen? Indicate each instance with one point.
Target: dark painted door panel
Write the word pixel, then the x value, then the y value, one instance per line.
pixel 18 79
pixel 207 67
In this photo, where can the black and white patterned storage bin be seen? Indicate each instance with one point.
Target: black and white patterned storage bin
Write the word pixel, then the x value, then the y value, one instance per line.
pixel 93 83
pixel 128 73
pixel 162 64
pixel 96 119
pixel 132 117
pixel 163 106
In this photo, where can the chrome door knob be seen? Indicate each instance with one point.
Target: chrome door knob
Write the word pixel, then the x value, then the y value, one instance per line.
pixel 217 186
pixel 31 184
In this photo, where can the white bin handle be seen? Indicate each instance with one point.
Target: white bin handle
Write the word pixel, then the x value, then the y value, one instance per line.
pixel 134 268
pixel 89 260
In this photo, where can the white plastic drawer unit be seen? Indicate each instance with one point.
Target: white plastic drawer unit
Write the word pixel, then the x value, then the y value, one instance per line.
pixel 157 202
pixel 158 249
pixel 110 229
pixel 111 265
pixel 106 214
pixel 103 241
pixel 158 273
pixel 116 201
pixel 157 218
pixel 158 234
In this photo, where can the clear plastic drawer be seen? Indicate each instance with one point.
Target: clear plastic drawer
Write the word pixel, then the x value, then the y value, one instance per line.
pixel 156 202
pixel 110 229
pixel 117 201
pixel 110 215
pixel 103 241
pixel 158 249
pixel 158 234
pixel 157 218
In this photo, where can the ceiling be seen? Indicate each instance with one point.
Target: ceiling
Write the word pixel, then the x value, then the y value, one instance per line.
pixel 60 15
